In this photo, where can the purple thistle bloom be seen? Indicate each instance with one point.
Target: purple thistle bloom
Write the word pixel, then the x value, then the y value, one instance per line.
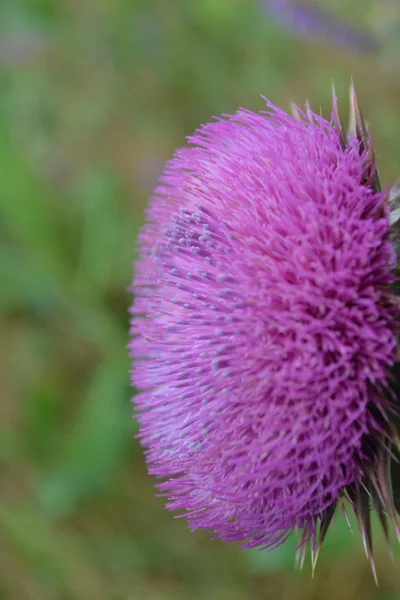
pixel 264 328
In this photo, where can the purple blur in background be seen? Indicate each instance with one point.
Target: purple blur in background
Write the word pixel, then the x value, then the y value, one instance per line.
pixel 306 20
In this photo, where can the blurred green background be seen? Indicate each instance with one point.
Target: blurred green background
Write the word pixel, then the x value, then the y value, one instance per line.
pixel 94 97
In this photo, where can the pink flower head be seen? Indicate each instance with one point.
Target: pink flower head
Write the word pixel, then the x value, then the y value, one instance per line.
pixel 264 327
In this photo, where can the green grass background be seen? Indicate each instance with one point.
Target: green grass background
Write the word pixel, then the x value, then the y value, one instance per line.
pixel 94 97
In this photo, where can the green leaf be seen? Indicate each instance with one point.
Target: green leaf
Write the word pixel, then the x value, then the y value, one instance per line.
pixel 42 427
pixel 95 447
pixel 27 210
pixel 103 229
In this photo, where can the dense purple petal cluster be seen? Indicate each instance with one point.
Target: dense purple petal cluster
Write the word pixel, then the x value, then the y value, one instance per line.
pixel 263 326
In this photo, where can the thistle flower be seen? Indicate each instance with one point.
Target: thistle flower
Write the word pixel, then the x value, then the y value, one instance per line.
pixel 264 329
